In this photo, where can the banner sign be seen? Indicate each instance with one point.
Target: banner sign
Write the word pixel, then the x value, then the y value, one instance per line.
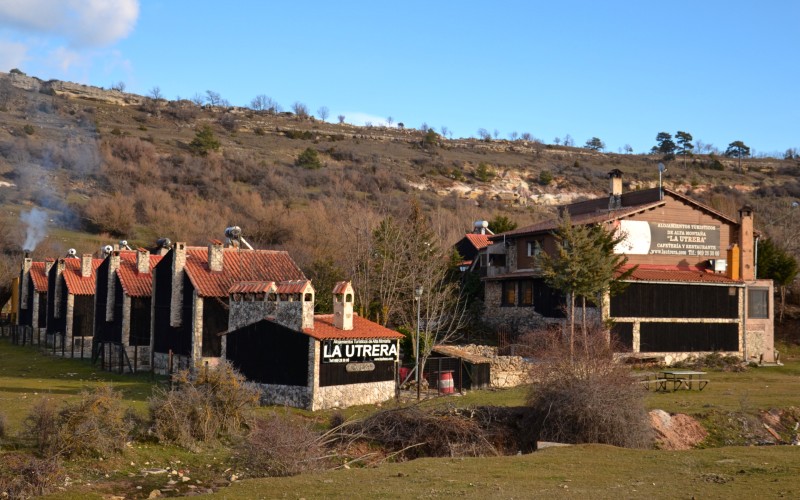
pixel 359 350
pixel 668 238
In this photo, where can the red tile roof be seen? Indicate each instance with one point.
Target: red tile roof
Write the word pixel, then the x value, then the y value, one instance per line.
pixel 252 287
pixel 686 274
pixel 362 329
pixel 134 283
pixel 38 277
pixel 340 287
pixel 77 284
pixel 479 241
pixel 298 286
pixel 238 265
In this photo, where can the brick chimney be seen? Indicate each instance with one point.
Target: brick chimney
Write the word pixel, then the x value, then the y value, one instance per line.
pixel 343 305
pixel 176 300
pixel 142 260
pixel 615 196
pixel 746 243
pixel 25 277
pixel 86 265
pixel 215 256
pixel 111 295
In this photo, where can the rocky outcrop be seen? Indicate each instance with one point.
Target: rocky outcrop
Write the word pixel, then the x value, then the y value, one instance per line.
pixel 676 432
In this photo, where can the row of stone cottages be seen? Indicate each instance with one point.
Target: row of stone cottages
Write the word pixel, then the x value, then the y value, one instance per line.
pixel 182 306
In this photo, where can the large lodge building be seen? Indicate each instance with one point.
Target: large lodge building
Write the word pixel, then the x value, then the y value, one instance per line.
pixel 693 290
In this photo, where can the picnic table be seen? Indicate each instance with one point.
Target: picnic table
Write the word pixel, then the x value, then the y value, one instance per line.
pixel 681 378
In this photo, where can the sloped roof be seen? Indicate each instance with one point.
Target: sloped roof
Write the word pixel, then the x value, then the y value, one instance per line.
pixel 296 286
pixel 687 274
pixel 77 284
pixel 363 328
pixel 479 241
pixel 238 265
pixel 39 277
pixel 134 283
pixel 252 287
pixel 340 287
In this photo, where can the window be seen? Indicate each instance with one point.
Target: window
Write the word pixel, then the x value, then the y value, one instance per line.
pixel 758 303
pixel 534 248
pixel 526 293
pixel 509 297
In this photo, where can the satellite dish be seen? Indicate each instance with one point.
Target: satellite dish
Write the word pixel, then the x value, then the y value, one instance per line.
pixel 661 167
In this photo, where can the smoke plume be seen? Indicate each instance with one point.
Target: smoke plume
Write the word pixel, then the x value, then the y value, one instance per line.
pixel 35 227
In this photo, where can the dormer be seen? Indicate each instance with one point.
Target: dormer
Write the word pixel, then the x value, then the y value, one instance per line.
pixel 343 297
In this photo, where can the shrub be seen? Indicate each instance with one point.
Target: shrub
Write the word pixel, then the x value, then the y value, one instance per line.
pixel 309 159
pixel 29 129
pixel 484 173
pixel 41 426
pixel 26 476
pixel 545 177
pixel 584 397
pixel 204 141
pixel 281 446
pixel 203 406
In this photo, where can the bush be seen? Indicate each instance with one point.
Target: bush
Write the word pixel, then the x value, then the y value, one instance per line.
pixel 203 406
pixel 545 177
pixel 29 129
pixel 309 159
pixel 484 173
pixel 26 476
pixel 281 446
pixel 204 141
pixel 584 397
pixel 41 426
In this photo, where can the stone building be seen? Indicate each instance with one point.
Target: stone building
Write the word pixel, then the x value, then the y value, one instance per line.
pixel 122 309
pixel 694 291
pixel 33 297
pixel 70 305
pixel 190 301
pixel 304 360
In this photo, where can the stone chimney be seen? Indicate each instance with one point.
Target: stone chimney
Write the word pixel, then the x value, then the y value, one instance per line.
pixel 295 307
pixel 59 287
pixel 86 265
pixel 746 243
pixel 142 260
pixel 215 256
pixel 176 300
pixel 111 295
pixel 343 305
pixel 24 279
pixel 615 196
pixel 48 264
pixel 308 306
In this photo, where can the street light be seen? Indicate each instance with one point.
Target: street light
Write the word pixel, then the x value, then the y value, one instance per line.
pixel 418 298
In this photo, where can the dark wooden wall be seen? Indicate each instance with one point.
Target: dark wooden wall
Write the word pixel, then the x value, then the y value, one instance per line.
pixel 646 300
pixel 215 321
pixel 688 337
pixel 166 337
pixel 269 353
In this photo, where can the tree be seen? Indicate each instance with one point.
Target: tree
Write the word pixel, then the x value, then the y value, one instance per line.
pixel 119 86
pixel 204 141
pixel 569 141
pixel 214 99
pixel 484 172
pixel 309 159
pixel 595 144
pixel 340 118
pixel 389 120
pixel 323 113
pixel 627 148
pixel 300 110
pixel 776 264
pixel 156 94
pixel 513 135
pixel 501 224
pixel 737 149
pixel 484 135
pixel 584 265
pixel 685 145
pixel 444 130
pixel 665 146
pixel 263 102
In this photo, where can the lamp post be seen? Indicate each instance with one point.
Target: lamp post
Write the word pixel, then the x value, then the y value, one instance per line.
pixel 418 298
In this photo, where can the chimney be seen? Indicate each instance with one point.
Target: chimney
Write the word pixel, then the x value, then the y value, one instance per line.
pixel 142 261
pixel 615 197
pixel 176 300
pixel 111 295
pixel 215 256
pixel 59 287
pixel 308 306
pixel 24 278
pixel 86 265
pixel 343 305
pixel 48 264
pixel 746 243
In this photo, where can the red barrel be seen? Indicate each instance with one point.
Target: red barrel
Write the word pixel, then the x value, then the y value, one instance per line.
pixel 446 382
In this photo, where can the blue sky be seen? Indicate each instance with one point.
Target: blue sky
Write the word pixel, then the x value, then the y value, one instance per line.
pixel 621 71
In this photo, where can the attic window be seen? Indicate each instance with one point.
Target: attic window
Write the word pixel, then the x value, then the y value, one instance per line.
pixel 348 297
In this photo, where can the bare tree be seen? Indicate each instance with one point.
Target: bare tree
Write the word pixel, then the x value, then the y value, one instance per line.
pixel 496 134
pixel 198 99
pixel 156 94
pixel 444 130
pixel 484 134
pixel 513 135
pixel 341 119
pixel 557 141
pixel 526 136
pixel 389 120
pixel 119 86
pixel 263 102
pixel 424 127
pixel 214 99
pixel 323 113
pixel 300 110
pixel 569 141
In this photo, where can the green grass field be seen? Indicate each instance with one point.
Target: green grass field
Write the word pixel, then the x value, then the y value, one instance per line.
pixel 595 471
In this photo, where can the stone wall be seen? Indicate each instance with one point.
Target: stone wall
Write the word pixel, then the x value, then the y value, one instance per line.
pixel 504 371
pixel 247 312
pixel 161 363
pixel 342 396
pixel 286 395
pixel 514 318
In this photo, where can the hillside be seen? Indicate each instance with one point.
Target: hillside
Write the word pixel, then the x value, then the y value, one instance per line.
pixel 106 165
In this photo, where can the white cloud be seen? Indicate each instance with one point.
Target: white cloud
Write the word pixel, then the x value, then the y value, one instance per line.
pixel 83 23
pixel 12 54
pixel 357 118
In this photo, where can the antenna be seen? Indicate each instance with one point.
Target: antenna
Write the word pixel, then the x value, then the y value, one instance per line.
pixel 661 170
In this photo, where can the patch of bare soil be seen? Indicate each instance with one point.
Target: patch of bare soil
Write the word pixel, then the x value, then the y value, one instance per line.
pixel 676 432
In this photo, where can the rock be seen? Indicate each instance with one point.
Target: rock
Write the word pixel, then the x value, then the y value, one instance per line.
pixel 676 432
pixel 154 494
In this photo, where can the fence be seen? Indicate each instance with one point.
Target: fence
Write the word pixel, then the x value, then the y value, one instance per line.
pixel 441 374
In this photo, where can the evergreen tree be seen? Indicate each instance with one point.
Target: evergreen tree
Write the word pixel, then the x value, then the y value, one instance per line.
pixel 204 141
pixel 685 145
pixel 776 264
pixel 666 146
